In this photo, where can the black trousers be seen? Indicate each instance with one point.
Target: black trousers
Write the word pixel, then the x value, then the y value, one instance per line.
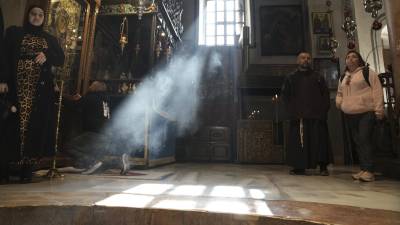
pixel 88 148
pixel 361 128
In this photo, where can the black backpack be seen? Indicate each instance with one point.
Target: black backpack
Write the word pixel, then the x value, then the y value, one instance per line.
pixel 365 72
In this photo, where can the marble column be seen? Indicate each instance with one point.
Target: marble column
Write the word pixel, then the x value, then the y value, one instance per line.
pixel 392 8
pixel 13 12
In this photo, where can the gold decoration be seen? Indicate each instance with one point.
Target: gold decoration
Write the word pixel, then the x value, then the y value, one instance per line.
pixel 126 9
pixel 123 40
pixel 63 22
pixel 53 172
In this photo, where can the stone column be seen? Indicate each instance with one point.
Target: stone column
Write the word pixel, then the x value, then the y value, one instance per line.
pixel 13 12
pixel 392 8
pixel 365 42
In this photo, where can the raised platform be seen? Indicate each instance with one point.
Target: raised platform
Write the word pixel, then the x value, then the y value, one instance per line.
pixel 197 194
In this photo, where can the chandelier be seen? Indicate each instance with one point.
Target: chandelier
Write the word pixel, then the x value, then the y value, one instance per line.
pixel 373 7
pixel 333 43
pixel 349 26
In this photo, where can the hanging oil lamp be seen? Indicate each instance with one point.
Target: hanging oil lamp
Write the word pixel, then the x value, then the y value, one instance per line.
pixel 143 6
pixel 333 45
pixel 333 42
pixel 373 7
pixel 123 40
pixel 168 52
pixel 158 49
pixel 350 27
pixel 137 49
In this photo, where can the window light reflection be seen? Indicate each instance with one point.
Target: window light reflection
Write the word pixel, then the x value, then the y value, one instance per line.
pixel 256 194
pixel 149 189
pixel 175 204
pixel 188 190
pixel 228 207
pixel 126 200
pixel 228 191
pixel 262 208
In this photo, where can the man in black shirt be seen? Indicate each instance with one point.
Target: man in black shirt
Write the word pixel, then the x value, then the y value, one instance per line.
pixel 306 98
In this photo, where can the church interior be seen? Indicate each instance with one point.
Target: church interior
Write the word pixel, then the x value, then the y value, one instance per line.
pixel 192 96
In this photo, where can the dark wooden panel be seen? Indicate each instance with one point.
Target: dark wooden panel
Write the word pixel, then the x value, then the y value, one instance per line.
pixel 210 144
pixel 256 142
pixel 220 152
pixel 198 150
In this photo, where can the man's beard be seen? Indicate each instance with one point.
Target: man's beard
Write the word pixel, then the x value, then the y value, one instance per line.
pixel 305 66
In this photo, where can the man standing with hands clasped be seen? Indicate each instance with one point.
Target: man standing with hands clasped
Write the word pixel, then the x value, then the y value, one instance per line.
pixel 306 98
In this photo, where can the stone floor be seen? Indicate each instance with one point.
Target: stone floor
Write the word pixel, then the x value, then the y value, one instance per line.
pixel 256 190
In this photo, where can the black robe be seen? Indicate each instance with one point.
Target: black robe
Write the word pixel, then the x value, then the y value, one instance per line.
pixel 41 129
pixel 306 98
pixel 3 109
pixel 1 23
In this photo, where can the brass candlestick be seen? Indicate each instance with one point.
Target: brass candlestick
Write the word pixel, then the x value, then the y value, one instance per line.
pixel 53 172
pixel 123 40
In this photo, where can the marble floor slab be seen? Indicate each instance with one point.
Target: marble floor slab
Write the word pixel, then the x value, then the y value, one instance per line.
pixel 257 190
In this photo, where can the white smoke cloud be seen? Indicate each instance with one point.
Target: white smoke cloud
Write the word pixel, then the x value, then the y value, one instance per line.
pixel 169 94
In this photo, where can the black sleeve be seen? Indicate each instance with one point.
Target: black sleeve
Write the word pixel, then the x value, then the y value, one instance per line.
pixel 286 90
pixel 1 24
pixel 54 54
pixel 1 43
pixel 75 104
pixel 325 94
pixel 7 54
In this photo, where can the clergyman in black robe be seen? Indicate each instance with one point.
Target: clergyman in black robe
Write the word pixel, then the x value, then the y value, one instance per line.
pixel 26 77
pixel 3 109
pixel 306 98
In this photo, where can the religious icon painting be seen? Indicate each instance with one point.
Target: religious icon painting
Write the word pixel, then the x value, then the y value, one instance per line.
pixel 280 27
pixel 323 44
pixel 322 22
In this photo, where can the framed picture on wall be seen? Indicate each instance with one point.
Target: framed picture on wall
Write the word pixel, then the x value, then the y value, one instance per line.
pixel 323 44
pixel 321 22
pixel 281 30
pixel 329 69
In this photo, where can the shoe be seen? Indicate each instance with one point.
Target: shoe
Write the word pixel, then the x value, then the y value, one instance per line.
pixel 26 172
pixel 367 176
pixel 324 172
pixel 70 169
pixel 126 164
pixel 93 169
pixel 356 176
pixel 297 172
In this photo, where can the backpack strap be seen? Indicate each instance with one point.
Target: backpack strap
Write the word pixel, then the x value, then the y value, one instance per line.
pixel 342 77
pixel 365 72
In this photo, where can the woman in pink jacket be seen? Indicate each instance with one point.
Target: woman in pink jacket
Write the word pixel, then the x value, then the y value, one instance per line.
pixel 360 97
